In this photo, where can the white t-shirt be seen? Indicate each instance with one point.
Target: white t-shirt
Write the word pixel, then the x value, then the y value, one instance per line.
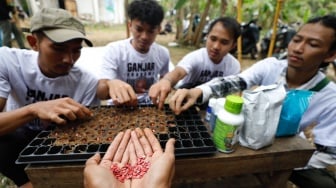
pixel 321 109
pixel 22 82
pixel 201 69
pixel 121 61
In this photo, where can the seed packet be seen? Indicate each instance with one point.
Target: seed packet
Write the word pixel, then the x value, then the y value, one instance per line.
pixel 262 108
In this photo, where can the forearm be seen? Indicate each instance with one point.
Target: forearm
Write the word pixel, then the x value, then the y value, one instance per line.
pixel 222 86
pixel 103 90
pixel 11 120
pixel 174 76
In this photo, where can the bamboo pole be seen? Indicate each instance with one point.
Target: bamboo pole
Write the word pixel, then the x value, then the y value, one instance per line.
pixel 274 29
pixel 239 19
pixel 126 19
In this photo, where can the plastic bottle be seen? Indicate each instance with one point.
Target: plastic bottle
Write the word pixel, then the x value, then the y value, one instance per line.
pixel 228 123
pixel 209 109
pixel 217 106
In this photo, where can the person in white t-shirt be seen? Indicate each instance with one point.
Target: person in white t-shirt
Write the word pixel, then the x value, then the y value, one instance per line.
pixel 42 86
pixel 313 47
pixel 203 64
pixel 132 65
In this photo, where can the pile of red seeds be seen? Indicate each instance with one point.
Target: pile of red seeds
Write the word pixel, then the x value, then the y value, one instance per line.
pixel 131 172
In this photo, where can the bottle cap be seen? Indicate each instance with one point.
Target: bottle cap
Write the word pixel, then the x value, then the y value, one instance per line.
pixel 233 104
pixel 212 102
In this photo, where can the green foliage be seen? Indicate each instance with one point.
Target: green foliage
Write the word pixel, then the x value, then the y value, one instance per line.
pixel 180 4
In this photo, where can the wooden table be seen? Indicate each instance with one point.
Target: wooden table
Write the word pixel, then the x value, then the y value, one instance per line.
pixel 269 167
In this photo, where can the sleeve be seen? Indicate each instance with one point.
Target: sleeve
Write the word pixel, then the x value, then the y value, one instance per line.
pixel 109 66
pixel 166 61
pixel 5 87
pixel 222 86
pixel 264 72
pixel 187 62
pixel 87 90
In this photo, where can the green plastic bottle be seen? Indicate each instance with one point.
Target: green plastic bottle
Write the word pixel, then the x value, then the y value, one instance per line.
pixel 228 122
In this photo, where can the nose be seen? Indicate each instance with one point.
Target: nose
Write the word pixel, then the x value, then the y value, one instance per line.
pixel 216 45
pixel 68 58
pixel 298 47
pixel 144 35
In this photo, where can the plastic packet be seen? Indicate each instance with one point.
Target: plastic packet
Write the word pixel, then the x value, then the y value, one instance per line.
pixel 262 108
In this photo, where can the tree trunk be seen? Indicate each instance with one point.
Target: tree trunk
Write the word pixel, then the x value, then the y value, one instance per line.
pixel 223 7
pixel 199 29
pixel 179 24
pixel 126 19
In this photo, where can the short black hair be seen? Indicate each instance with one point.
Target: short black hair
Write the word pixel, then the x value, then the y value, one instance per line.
pixel 228 23
pixel 328 21
pixel 148 11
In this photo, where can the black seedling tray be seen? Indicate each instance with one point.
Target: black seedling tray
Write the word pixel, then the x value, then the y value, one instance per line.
pixel 78 141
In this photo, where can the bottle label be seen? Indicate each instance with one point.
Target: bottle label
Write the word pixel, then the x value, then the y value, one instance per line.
pixel 208 114
pixel 225 136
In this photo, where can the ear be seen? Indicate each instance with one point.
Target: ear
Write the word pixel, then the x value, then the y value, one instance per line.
pixel 129 23
pixel 233 46
pixel 331 56
pixel 32 42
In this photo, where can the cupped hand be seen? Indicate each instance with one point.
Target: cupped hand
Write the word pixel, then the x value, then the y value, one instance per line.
pixel 161 164
pixel 97 173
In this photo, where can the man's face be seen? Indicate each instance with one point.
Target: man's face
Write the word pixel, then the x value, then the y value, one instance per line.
pixel 57 59
pixel 219 42
pixel 310 47
pixel 143 35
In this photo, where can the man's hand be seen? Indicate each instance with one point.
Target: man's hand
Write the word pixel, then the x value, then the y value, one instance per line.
pixel 184 99
pixel 162 164
pixel 60 110
pixel 97 173
pixel 122 93
pixel 159 91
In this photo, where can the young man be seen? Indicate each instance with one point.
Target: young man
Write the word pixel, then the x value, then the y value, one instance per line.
pixel 131 66
pixel 42 86
pixel 313 47
pixel 127 148
pixel 203 64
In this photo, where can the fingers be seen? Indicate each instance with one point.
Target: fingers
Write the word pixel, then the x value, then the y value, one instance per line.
pixel 60 110
pixel 183 99
pixel 159 92
pixel 177 99
pixel 153 141
pixel 121 93
pixel 122 146
pixel 132 154
pixel 170 148
pixel 125 156
pixel 94 160
pixel 162 99
pixel 112 149
pixel 138 135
